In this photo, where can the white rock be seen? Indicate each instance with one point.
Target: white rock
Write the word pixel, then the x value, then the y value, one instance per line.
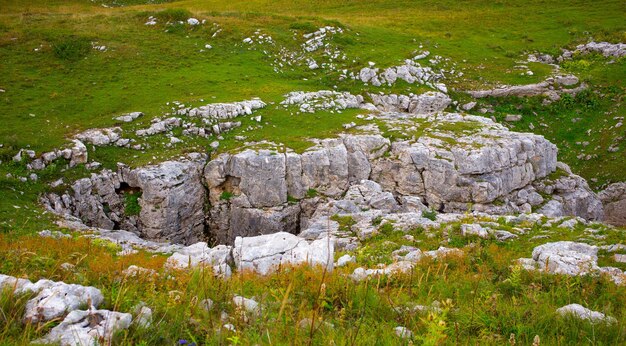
pixel 403 332
pixel 85 328
pixel 143 317
pixel 474 229
pixel 58 299
pixel 247 305
pixel 583 313
pixel 345 259
pixel 566 257
pixel 266 253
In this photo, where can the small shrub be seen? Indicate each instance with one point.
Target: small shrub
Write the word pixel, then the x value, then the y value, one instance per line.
pixel 430 214
pixel 131 203
pixel 72 48
pixel 225 196
pixel 577 65
pixel 311 193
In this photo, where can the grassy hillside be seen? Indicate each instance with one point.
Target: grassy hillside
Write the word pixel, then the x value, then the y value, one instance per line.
pixel 54 84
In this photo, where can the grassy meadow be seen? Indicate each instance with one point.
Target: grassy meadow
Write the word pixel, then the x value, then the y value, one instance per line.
pixel 54 85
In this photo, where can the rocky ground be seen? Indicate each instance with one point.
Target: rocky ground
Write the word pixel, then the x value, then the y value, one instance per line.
pixel 363 200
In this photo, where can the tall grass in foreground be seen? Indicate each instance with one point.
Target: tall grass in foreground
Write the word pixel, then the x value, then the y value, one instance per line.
pixel 475 298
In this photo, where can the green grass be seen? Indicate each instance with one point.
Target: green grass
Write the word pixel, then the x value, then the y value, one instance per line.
pixel 483 298
pixel 56 85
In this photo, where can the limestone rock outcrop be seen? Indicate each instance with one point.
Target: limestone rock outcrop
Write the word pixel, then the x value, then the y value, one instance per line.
pixel 163 202
pixel 441 161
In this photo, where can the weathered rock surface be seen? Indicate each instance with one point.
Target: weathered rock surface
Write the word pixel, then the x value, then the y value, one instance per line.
pixel 58 299
pixel 224 110
pixel 614 201
pixel 566 257
pixel 571 196
pixel 310 102
pixel 127 118
pixel 171 200
pixel 552 88
pixel 266 253
pixel 442 161
pixel 570 258
pixel 218 258
pixel 426 103
pixel 86 328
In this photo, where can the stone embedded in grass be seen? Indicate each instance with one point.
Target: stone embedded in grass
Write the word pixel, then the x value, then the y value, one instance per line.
pixel 218 258
pixel 206 304
pixel 566 257
pixel 247 305
pixel 345 260
pixel 59 298
pixel 403 332
pixel 579 311
pixel 20 286
pixel 143 316
pixel 88 327
pixel 136 271
pixel 266 253
pixel 474 229
pixel 127 118
pixel 513 117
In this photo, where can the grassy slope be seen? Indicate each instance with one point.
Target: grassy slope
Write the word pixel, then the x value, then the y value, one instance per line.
pixel 47 99
pixel 146 67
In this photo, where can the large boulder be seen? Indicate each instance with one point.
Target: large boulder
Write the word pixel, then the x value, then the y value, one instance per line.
pixel 266 253
pixel 566 257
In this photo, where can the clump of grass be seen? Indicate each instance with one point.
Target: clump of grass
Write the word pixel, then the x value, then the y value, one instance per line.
pixel 131 203
pixel 303 26
pixel 173 15
pixel 72 48
pixel 310 193
pixel 429 214
pixel 226 195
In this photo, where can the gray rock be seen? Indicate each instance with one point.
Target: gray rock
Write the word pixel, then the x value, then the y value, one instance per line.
pixel 143 317
pixel 219 258
pixel 90 327
pixel 504 235
pixel 513 117
pixel 474 229
pixel 579 311
pixel 100 137
pixel 127 118
pixel 614 202
pixel 566 257
pixel 58 299
pixel 403 332
pixel 266 253
pixel 79 153
pixel 247 305
pixel 344 260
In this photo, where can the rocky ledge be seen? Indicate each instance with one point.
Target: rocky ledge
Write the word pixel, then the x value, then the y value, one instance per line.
pixel 448 162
